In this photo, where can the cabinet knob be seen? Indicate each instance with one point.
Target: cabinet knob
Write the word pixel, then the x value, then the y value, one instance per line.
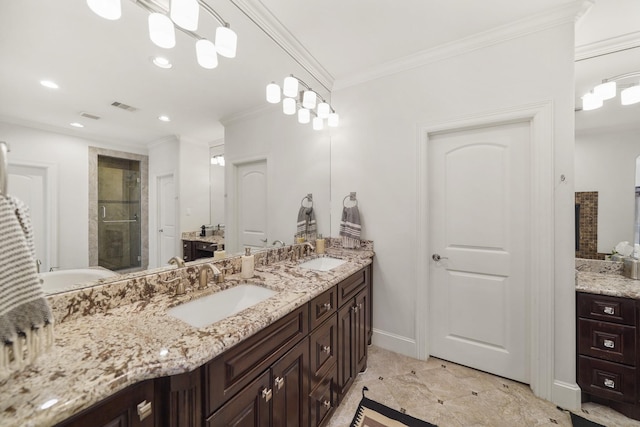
pixel 609 383
pixel 609 310
pixel 144 409
pixel 267 394
pixel 326 306
pixel 609 343
pixel 326 349
pixel 355 309
pixel 326 404
pixel 279 382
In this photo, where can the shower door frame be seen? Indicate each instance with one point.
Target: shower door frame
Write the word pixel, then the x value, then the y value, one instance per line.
pixel 94 152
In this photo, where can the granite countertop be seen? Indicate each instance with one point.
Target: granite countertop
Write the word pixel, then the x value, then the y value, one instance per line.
pixel 605 278
pixel 96 355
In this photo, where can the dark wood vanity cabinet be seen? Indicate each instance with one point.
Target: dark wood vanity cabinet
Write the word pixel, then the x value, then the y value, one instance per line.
pixel 196 249
pixel 607 340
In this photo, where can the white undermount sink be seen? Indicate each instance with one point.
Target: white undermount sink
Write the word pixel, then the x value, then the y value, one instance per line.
pixel 322 263
pixel 212 308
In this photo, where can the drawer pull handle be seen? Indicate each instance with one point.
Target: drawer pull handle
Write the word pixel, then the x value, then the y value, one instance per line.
pixel 267 394
pixel 144 409
pixel 326 306
pixel 609 343
pixel 609 383
pixel 279 382
pixel 609 310
pixel 326 349
pixel 326 404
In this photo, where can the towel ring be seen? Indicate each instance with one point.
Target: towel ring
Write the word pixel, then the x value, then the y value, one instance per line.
pixel 308 197
pixel 352 197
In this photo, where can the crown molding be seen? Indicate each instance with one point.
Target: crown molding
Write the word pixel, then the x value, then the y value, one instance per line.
pixel 267 22
pixel 605 47
pixel 554 17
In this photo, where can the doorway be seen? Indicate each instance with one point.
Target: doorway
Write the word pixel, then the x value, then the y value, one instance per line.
pixel 251 199
pixel 167 224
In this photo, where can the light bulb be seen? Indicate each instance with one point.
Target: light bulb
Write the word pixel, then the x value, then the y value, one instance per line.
pixel 304 116
pixel 317 123
pixel 333 120
pixel 630 95
pixel 162 31
pixel 591 102
pixel 273 93
pixel 226 42
pixel 107 9
pixel 206 54
pixel 289 106
pixel 185 13
pixel 605 90
pixel 309 99
pixel 290 87
pixel 323 110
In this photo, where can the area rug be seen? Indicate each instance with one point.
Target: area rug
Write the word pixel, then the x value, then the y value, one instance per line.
pixel 578 421
pixel 373 414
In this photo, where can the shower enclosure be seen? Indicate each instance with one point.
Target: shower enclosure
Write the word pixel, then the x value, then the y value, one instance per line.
pixel 119 213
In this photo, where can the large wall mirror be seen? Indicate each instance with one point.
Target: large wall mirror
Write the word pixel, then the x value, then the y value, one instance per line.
pixel 607 139
pixel 108 84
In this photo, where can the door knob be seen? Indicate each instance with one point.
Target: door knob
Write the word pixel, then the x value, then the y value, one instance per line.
pixel 161 230
pixel 437 257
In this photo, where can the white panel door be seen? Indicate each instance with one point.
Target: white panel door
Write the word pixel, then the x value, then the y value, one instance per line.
pixel 28 183
pixel 478 210
pixel 166 219
pixel 251 179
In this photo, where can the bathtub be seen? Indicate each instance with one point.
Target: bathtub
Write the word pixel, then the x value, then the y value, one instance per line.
pixel 63 280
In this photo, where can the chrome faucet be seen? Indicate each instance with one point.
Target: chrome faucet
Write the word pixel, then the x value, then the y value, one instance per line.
pixel 278 241
pixel 203 278
pixel 308 244
pixel 177 261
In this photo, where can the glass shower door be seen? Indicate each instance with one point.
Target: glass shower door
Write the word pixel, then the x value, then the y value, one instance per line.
pixel 119 212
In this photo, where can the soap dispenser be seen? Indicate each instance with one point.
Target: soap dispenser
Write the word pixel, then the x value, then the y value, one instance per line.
pixel 248 263
pixel 320 245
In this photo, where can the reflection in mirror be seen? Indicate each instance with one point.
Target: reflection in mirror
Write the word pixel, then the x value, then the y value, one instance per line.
pixel 98 63
pixel 637 222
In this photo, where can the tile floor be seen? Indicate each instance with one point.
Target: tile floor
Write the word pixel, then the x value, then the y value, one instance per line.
pixel 451 395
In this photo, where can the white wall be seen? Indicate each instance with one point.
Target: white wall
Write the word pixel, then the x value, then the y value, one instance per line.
pixel 606 163
pixel 217 192
pixel 70 155
pixel 194 185
pixel 298 163
pixel 374 153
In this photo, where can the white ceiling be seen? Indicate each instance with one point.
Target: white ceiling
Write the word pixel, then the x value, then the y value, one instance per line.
pixel 97 62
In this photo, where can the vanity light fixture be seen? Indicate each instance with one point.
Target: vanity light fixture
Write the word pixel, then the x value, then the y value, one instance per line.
pixel 185 15
pixel 49 84
pixel 161 61
pixel 629 94
pixel 217 160
pixel 304 101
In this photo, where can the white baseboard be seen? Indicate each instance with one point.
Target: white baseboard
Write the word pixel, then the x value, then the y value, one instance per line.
pixel 566 395
pixel 395 343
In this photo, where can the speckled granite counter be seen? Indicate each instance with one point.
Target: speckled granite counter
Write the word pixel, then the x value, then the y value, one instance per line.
pixel 605 278
pixel 115 335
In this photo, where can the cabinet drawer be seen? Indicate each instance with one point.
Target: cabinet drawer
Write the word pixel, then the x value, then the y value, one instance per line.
pixel 324 346
pixel 607 379
pixel 606 308
pixel 350 286
pixel 323 400
pixel 205 246
pixel 322 307
pixel 235 368
pixel 609 341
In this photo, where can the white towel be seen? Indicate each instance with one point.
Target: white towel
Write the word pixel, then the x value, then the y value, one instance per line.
pixel 350 227
pixel 306 226
pixel 26 320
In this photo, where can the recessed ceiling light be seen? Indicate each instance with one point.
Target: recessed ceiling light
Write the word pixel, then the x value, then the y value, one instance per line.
pixel 161 62
pixel 49 84
pixel 164 118
pixel 76 125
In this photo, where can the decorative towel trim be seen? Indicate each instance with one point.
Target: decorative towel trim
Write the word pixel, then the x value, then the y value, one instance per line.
pixel 26 320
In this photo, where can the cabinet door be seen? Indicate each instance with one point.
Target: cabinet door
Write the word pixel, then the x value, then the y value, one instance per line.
pixel 360 331
pixel 291 387
pixel 345 359
pixel 182 404
pixel 131 407
pixel 251 407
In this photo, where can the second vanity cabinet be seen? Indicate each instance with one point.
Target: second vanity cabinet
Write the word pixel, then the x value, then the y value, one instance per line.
pixel 607 334
pixel 292 373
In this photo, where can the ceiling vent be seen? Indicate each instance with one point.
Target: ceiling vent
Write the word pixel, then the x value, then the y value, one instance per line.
pixel 90 116
pixel 124 106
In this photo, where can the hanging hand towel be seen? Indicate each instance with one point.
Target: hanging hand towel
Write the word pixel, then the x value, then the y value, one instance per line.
pixel 26 321
pixel 350 227
pixel 307 226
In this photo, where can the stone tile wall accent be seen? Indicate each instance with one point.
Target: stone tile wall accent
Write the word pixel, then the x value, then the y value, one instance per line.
pixel 587 226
